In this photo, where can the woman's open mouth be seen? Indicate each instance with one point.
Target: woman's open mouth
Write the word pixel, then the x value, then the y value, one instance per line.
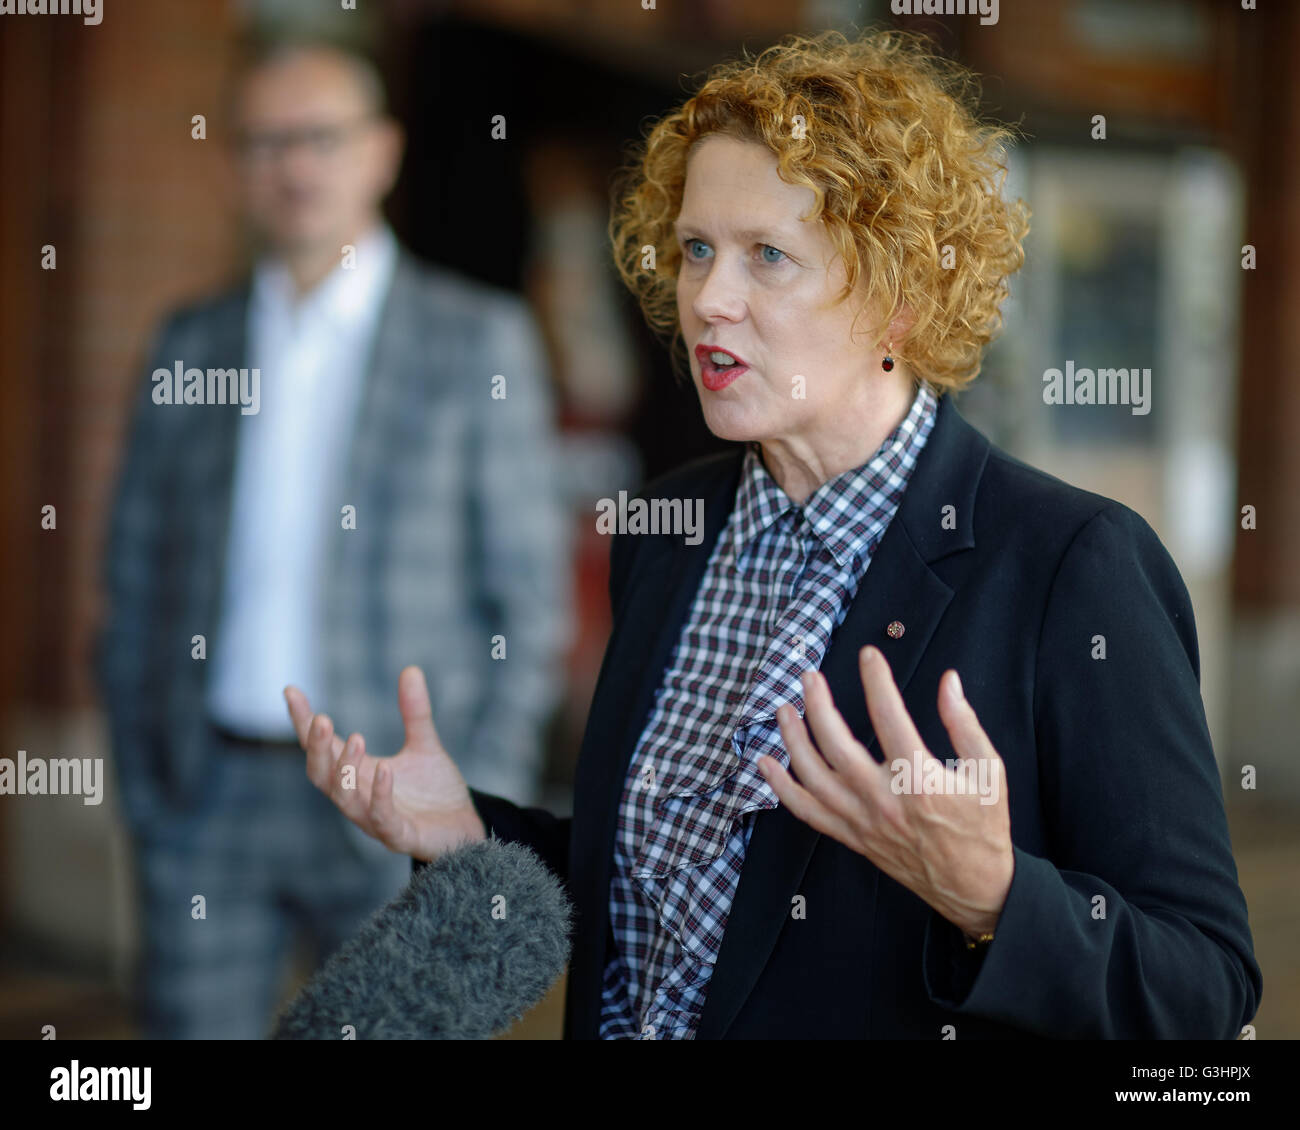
pixel 718 367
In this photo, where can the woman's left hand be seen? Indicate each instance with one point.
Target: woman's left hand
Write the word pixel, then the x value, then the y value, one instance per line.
pixel 943 834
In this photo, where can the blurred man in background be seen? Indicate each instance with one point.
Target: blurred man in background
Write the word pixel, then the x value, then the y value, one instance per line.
pixel 391 501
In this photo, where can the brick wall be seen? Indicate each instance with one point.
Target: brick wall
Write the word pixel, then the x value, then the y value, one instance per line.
pixel 99 161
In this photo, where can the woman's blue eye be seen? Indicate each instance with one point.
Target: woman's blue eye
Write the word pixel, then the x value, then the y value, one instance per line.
pixel 698 249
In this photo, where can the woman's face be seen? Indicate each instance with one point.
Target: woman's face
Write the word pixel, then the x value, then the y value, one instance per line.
pixel 761 284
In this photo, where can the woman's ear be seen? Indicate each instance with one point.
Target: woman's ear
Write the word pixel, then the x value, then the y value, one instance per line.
pixel 901 323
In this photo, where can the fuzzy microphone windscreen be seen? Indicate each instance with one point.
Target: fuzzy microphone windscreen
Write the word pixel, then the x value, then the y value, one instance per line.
pixel 475 940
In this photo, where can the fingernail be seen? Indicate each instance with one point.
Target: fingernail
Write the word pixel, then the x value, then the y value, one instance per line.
pixel 956 686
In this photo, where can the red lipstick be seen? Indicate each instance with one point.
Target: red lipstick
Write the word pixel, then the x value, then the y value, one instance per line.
pixel 715 376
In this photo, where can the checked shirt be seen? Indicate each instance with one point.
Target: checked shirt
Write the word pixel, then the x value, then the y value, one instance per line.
pixel 778 583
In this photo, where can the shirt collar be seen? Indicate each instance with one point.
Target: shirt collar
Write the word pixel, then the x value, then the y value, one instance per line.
pixel 345 298
pixel 760 501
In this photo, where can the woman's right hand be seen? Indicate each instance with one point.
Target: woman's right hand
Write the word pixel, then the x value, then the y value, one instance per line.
pixel 415 803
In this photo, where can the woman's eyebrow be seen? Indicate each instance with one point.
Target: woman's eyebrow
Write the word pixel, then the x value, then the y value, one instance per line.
pixel 759 235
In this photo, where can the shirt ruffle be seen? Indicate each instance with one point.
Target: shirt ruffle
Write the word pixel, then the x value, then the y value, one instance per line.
pixel 687 866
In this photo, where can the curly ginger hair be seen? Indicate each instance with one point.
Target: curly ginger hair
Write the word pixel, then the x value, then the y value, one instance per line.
pixel 908 183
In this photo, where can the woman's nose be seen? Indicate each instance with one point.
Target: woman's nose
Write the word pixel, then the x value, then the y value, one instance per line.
pixel 721 294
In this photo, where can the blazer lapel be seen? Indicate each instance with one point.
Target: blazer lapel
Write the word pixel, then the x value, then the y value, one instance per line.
pixel 898 585
pixel 212 458
pixel 372 438
pixel 663 595
pixel 666 575
pixel 208 476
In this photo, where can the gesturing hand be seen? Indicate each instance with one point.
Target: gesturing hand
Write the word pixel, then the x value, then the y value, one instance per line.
pixel 416 803
pixel 939 837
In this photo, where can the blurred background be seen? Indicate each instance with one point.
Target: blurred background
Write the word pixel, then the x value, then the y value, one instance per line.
pixel 1173 243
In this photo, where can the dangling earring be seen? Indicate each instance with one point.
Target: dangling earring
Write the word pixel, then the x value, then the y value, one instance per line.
pixel 887 363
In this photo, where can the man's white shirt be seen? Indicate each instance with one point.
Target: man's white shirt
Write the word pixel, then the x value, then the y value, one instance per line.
pixel 313 354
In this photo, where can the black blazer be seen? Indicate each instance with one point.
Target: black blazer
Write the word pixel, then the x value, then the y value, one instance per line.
pixel 1124 918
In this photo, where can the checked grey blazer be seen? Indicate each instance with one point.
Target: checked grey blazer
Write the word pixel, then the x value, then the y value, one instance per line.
pixel 460 536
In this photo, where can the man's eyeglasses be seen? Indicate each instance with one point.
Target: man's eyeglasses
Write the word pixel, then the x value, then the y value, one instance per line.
pixel 321 141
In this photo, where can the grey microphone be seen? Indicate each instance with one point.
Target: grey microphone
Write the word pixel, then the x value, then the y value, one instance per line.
pixel 474 941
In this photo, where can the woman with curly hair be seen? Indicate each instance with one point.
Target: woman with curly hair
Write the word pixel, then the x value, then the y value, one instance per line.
pixel 910 743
